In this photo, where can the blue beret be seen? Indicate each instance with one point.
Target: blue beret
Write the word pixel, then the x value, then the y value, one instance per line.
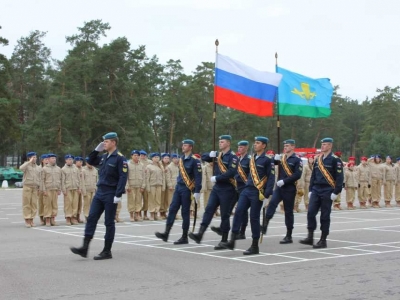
pixel 87 158
pixel 243 143
pixel 327 140
pixel 174 155
pixel 290 141
pixel 398 159
pixel 80 158
pixel 262 139
pixel 372 156
pixel 389 157
pixel 110 135
pixel 154 154
pixel 135 152
pixel 68 156
pixel 188 141
pixel 225 137
pixel 43 156
pixel 165 155
pixel 30 154
pixel 143 152
pixel 378 156
pixel 51 155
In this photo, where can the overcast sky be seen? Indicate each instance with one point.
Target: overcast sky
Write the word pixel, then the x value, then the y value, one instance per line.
pixel 354 43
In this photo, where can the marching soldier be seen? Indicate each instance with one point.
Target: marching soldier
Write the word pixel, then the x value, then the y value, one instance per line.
pixel 397 183
pixel 51 188
pixel 110 187
pixel 223 191
pixel 79 164
pixel 70 185
pixel 290 169
pixel 165 160
pixel 188 181
pixel 377 170
pixel 155 184
pixel 135 186
pixel 325 185
pixel 389 178
pixel 90 185
pixel 350 184
pixel 171 177
pixel 364 182
pixel 44 160
pixel 31 185
pixel 271 155
pixel 259 186
pixel 145 161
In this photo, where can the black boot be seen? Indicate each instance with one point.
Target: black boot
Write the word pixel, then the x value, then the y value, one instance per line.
pixel 224 240
pixel 322 242
pixel 183 240
pixel 106 253
pixel 82 251
pixel 253 248
pixel 164 236
pixel 242 233
pixel 231 244
pixel 288 238
pixel 198 236
pixel 265 227
pixel 309 240
pixel 217 230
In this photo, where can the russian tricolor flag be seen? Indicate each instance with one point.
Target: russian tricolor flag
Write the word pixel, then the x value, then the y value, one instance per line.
pixel 244 88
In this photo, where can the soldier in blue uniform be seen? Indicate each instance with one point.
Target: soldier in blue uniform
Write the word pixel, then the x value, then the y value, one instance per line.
pixel 325 185
pixel 224 189
pixel 113 168
pixel 259 186
pixel 290 169
pixel 189 181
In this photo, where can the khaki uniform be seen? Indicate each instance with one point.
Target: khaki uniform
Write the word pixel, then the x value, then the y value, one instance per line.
pixel 206 183
pixel 145 206
pixel 170 179
pixel 164 194
pixel 397 185
pixel 376 181
pixel 90 178
pixel 304 183
pixel 70 185
pixel 155 184
pixel 51 187
pixel 351 184
pixel 81 187
pixel 134 184
pixel 31 185
pixel 389 178
pixel 40 205
pixel 364 180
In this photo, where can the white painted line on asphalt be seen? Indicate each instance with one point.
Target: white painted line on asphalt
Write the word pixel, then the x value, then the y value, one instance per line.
pixel 383 230
pixel 6 219
pixel 359 249
pixel 291 257
pixel 13 214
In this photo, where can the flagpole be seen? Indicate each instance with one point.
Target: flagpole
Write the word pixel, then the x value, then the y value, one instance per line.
pixel 278 122
pixel 215 104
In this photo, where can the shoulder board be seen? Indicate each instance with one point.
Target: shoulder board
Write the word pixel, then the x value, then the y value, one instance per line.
pixel 120 154
pixel 334 156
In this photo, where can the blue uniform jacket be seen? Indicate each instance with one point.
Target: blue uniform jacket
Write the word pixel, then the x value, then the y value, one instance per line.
pixel 334 166
pixel 113 171
pixel 296 166
pixel 245 164
pixel 229 159
pixel 265 167
pixel 192 166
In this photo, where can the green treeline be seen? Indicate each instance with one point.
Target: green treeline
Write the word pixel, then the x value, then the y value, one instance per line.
pixel 66 106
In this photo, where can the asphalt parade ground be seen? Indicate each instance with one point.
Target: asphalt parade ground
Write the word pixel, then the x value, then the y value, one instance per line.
pixel 362 260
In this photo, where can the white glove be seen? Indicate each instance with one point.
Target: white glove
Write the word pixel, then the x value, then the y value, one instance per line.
pixel 197 197
pixel 117 200
pixel 277 157
pixel 280 183
pixel 100 147
pixel 333 197
pixel 213 179
pixel 309 195
pixel 213 154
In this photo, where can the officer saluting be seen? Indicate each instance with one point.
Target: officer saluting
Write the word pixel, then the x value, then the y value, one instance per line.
pixel 325 186
pixel 113 168
pixel 189 180
pixel 223 191
pixel 290 169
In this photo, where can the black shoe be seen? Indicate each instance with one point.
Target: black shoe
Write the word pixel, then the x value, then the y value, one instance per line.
pixel 217 230
pixel 322 242
pixel 241 236
pixel 198 236
pixel 164 235
pixel 224 240
pixel 286 240
pixel 103 255
pixel 82 251
pixel 309 240
pixel 183 240
pixel 231 244
pixel 253 248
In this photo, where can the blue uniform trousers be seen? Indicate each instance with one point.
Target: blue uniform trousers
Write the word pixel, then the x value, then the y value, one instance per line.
pixel 181 198
pixel 222 197
pixel 249 198
pixel 287 195
pixel 320 198
pixel 102 203
pixel 245 220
